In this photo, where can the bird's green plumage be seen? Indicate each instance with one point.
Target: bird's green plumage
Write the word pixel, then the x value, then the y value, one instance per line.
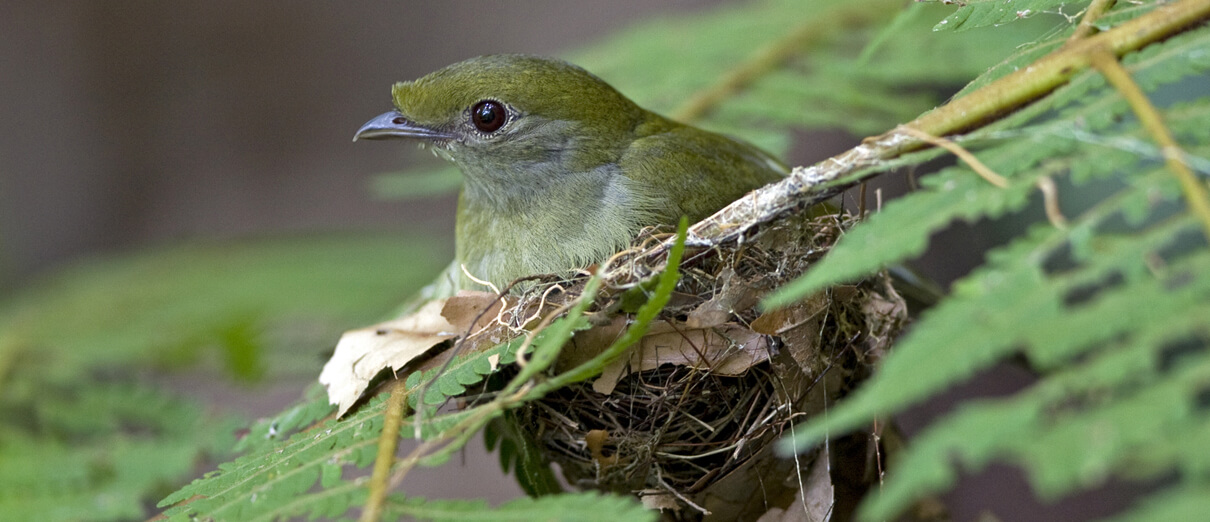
pixel 574 173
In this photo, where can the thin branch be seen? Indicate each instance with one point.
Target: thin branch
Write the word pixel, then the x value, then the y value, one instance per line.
pixel 456 435
pixel 1050 201
pixel 979 167
pixel 1195 191
pixel 1087 24
pixel 808 186
pixel 1056 69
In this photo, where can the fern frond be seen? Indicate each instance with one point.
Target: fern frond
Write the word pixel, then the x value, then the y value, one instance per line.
pixel 83 437
pixel 981 13
pixel 1112 308
pixel 1079 140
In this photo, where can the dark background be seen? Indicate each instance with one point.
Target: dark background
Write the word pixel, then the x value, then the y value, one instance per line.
pixel 132 122
pixel 129 123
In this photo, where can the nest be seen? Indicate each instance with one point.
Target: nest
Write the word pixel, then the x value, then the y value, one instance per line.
pixel 687 421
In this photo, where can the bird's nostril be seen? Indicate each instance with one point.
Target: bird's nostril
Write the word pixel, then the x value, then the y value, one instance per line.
pixel 399 121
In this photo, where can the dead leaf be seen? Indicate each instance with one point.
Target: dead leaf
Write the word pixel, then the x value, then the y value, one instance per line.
pixel 817 495
pixel 778 321
pixel 361 354
pixel 589 343
pixel 462 309
pixel 654 499
pixel 799 327
pixel 814 500
pixel 728 350
pixel 735 295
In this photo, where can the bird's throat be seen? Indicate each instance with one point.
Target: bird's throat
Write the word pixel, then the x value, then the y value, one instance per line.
pixel 549 227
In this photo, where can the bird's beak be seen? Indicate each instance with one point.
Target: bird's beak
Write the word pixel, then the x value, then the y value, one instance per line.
pixel 394 125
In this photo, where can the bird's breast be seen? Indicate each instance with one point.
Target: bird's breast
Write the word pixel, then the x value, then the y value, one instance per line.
pixel 572 224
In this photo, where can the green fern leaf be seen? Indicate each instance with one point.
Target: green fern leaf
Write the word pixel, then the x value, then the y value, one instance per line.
pixel 1103 307
pixel 958 194
pixel 273 430
pixel 464 371
pixel 267 483
pixel 982 13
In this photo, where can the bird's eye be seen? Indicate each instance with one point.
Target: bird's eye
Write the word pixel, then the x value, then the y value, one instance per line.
pixel 488 115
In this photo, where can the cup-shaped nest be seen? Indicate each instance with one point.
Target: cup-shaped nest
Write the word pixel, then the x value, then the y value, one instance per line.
pixel 686 420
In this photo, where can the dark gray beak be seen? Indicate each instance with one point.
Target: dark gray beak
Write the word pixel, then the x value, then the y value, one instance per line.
pixel 394 125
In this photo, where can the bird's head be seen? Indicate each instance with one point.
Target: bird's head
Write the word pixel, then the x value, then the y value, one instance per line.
pixel 505 118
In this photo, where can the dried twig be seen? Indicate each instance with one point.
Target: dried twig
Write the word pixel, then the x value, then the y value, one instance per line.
pixel 965 155
pixel 1195 191
pixel 1050 201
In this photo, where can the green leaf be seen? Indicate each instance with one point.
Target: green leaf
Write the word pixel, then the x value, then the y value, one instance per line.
pixel 522 455
pixel 981 13
pixel 90 433
pixel 465 370
pixel 1111 308
pixel 273 430
pixel 1090 140
pixel 97 450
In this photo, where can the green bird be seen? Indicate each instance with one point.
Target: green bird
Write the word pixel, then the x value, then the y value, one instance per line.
pixel 560 169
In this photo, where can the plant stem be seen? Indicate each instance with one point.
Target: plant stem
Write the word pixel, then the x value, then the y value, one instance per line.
pixel 388 442
pixel 1195 191
pixel 814 184
pixel 1088 23
pixel 1056 69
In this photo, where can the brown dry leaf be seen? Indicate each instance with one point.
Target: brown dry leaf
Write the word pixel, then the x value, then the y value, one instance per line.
pixel 462 309
pixel 800 488
pixel 361 354
pixel 799 328
pixel 885 317
pixel 817 496
pixel 726 350
pixel 589 343
pixel 735 295
pixel 779 321
pixel 814 500
pixel 658 499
